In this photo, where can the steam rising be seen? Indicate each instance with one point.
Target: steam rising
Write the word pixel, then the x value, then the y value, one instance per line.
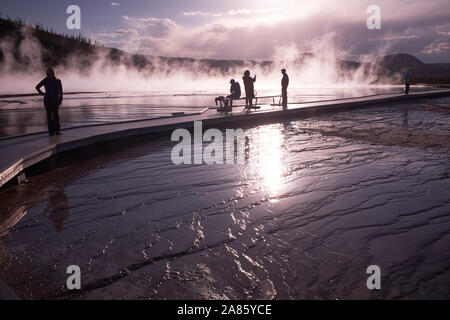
pixel 101 73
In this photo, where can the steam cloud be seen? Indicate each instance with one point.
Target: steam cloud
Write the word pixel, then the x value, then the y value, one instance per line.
pixel 319 69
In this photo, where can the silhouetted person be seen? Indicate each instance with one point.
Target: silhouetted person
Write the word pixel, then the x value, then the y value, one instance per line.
pixel 249 89
pixel 57 210
pixel 53 97
pixel 235 91
pixel 284 87
pixel 407 81
pixel 221 98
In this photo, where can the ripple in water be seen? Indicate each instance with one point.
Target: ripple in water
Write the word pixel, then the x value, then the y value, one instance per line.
pixel 328 197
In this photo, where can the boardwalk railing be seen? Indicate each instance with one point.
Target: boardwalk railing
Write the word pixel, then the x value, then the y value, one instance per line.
pixel 225 102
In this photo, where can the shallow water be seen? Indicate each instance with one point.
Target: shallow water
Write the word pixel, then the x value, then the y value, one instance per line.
pixel 21 115
pixel 330 196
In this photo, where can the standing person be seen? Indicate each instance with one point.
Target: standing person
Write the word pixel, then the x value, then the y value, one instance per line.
pixel 249 89
pixel 284 87
pixel 407 81
pixel 53 97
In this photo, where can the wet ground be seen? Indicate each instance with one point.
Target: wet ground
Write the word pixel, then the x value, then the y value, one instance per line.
pixel 26 114
pixel 327 197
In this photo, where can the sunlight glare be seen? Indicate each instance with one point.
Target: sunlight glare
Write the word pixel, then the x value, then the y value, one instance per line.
pixel 269 156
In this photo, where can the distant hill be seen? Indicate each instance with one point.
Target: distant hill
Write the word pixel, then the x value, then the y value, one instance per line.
pixel 57 48
pixel 81 53
pixel 421 72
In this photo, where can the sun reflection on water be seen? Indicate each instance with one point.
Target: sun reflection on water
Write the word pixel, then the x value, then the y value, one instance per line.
pixel 266 160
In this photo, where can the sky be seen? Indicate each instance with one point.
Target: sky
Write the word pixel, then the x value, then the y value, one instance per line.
pixel 253 29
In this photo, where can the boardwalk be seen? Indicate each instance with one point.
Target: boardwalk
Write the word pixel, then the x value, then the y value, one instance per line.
pixel 20 153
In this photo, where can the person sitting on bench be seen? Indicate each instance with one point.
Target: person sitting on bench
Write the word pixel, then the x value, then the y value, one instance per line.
pixel 235 91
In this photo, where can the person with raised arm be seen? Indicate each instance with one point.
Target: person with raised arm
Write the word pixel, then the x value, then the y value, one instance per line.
pixel 249 89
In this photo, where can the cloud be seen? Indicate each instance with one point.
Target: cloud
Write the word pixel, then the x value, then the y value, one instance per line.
pixel 439 30
pixel 437 47
pixel 232 12
pixel 115 4
pixel 155 27
pixel 218 28
pixel 119 33
pixel 398 37
pixel 147 35
pixel 256 33
pixel 202 14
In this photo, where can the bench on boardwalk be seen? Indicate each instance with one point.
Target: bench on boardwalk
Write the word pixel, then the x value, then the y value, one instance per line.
pixel 223 104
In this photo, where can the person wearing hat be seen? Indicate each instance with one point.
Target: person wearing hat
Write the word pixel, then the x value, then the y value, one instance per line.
pixel 249 89
pixel 284 87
